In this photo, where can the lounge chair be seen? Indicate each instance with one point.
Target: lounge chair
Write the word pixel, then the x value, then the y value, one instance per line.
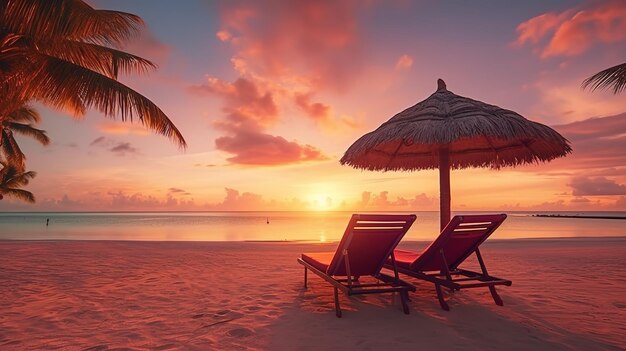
pixel 366 244
pixel 439 263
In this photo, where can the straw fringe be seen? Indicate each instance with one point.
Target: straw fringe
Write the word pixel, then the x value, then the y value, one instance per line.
pixel 477 135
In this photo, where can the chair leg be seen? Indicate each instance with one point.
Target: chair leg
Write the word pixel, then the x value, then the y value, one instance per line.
pixel 495 295
pixel 305 276
pixel 404 296
pixel 442 302
pixel 337 308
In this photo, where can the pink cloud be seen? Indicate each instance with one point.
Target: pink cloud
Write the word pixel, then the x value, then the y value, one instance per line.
pixel 597 143
pixel 537 28
pixel 316 110
pixel 255 148
pixel 316 39
pixel 584 186
pixel 404 62
pixel 572 32
pixel 245 102
pixel 249 111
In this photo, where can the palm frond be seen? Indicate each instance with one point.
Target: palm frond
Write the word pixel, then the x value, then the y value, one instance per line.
pixel 102 59
pixel 25 113
pixel 60 81
pixel 19 194
pixel 611 78
pixel 29 130
pixel 11 151
pixel 18 180
pixel 46 20
pixel 11 179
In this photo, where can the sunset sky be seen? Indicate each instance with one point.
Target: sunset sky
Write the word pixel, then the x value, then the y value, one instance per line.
pixel 270 94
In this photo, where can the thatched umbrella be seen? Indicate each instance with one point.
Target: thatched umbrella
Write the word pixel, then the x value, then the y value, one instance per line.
pixel 451 131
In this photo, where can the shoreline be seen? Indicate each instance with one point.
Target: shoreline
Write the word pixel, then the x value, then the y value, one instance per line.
pixel 576 216
pixel 314 242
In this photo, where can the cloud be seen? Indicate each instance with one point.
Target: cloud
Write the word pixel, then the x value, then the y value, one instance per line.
pixel 597 142
pixel 562 99
pixel 123 149
pixel 116 147
pixel 381 202
pixel 178 191
pixel 122 128
pixel 255 148
pixel 249 110
pixel 319 40
pixel 315 110
pixel 98 141
pixel 223 35
pixel 404 62
pixel 244 98
pixel 574 32
pixel 584 186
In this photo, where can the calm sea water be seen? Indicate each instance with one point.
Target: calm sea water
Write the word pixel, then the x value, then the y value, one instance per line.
pixel 240 226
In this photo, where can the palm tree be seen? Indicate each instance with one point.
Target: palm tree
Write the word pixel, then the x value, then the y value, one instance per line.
pixel 18 122
pixel 612 78
pixel 65 54
pixel 11 180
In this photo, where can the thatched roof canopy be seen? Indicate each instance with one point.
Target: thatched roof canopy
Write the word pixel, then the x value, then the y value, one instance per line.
pixel 475 134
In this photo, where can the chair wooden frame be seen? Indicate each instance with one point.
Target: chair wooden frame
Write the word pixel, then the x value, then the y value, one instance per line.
pixel 349 283
pixel 449 275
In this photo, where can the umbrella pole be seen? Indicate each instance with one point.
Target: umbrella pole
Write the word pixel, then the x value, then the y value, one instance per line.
pixel 444 187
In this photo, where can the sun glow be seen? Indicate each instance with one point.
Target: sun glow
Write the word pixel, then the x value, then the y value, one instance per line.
pixel 323 197
pixel 321 202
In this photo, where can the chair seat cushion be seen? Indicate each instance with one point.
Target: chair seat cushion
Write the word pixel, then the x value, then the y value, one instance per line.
pixel 319 260
pixel 404 258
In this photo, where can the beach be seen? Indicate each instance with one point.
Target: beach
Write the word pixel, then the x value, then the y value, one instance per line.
pixel 567 294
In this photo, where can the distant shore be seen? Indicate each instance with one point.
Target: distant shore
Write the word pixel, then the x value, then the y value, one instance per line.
pixel 576 216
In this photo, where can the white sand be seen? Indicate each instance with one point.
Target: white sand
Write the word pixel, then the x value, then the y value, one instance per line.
pixel 566 295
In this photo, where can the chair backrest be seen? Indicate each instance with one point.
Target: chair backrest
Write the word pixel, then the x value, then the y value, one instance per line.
pixel 458 240
pixel 369 239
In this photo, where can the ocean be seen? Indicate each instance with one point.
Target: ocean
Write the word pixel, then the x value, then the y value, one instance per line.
pixel 274 226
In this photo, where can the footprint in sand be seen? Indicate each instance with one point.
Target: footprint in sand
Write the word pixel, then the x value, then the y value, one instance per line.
pixel 240 332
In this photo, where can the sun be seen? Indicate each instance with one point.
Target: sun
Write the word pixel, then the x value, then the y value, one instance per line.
pixel 321 202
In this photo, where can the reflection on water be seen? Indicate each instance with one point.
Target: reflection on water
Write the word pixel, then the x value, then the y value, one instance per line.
pixel 238 226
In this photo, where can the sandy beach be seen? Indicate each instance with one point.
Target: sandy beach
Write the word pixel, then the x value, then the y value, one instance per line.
pixel 567 294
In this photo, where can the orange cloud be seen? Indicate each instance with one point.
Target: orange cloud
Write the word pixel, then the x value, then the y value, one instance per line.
pixel 223 35
pixel 404 62
pixel 122 128
pixel 571 32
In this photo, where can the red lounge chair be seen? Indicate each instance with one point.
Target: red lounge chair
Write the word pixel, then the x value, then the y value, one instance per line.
pixel 365 246
pixel 439 263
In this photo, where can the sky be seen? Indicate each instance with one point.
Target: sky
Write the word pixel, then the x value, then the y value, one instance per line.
pixel 269 95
